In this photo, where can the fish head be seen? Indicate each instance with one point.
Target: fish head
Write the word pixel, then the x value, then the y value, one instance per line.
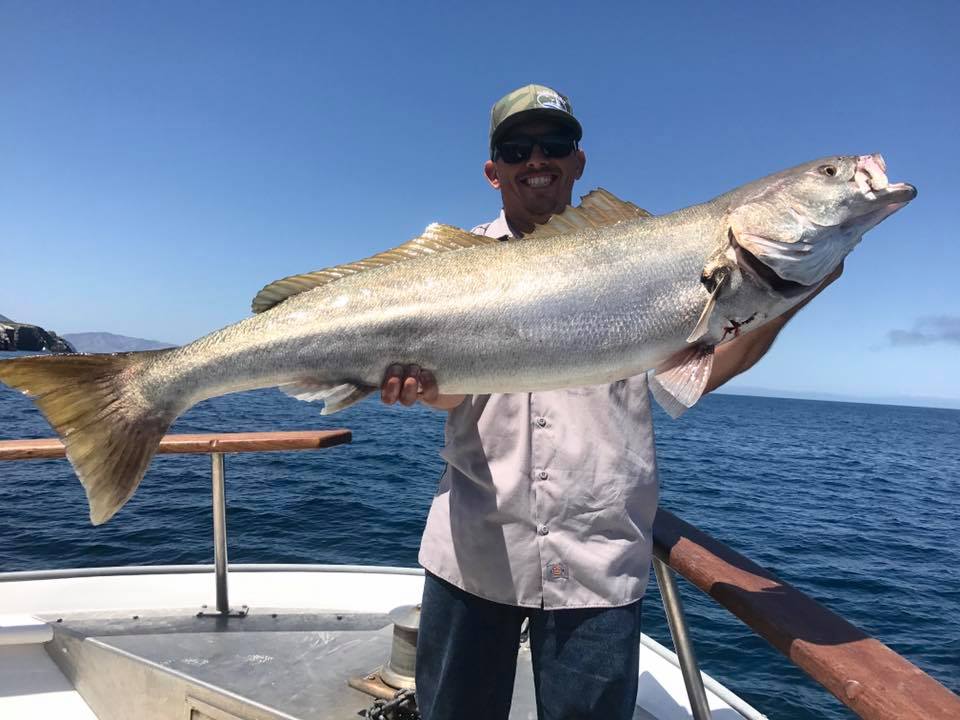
pixel 790 230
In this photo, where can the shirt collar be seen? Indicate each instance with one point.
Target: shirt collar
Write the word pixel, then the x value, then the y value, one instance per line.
pixel 500 227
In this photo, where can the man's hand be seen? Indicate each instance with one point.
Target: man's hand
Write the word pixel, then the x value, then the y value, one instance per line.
pixel 738 355
pixel 408 383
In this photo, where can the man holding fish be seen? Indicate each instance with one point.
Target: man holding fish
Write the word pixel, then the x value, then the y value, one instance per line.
pixel 545 509
pixel 538 348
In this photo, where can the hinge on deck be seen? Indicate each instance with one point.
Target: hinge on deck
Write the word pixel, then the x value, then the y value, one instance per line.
pixel 200 710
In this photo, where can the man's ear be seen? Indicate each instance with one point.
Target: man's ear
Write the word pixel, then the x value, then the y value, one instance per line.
pixel 490 172
pixel 582 158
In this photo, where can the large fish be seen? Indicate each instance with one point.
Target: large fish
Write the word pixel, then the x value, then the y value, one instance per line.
pixel 600 293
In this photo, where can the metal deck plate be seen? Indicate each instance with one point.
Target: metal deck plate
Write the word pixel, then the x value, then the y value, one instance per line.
pixel 262 667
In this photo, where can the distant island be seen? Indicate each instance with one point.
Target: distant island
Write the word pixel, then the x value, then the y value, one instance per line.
pixel 17 336
pixel 104 342
pixel 23 336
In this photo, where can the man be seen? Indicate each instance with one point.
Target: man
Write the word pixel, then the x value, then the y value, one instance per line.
pixel 546 507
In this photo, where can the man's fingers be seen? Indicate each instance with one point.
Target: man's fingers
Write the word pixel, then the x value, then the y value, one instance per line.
pixel 428 387
pixel 408 383
pixel 392 383
pixel 411 385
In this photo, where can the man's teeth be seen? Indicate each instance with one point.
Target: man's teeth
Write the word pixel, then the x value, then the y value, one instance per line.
pixel 537 181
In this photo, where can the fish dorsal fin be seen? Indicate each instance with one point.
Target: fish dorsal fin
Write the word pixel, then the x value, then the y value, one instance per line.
pixel 598 208
pixel 436 238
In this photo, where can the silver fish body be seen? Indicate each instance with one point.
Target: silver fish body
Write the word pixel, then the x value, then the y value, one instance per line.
pixel 601 293
pixel 515 316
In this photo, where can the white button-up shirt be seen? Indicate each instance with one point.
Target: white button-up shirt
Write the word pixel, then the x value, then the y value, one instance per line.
pixel 548 498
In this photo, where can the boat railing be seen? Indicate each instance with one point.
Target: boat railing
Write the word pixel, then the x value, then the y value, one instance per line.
pixel 863 673
pixel 216 445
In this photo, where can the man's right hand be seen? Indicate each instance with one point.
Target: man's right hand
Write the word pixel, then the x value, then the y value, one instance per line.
pixel 408 383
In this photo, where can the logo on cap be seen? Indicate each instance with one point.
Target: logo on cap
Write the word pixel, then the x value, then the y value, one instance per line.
pixel 552 100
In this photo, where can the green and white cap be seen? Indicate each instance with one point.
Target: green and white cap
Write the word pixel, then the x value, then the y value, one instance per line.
pixel 531 102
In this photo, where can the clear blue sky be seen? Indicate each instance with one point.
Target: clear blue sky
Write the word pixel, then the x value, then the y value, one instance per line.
pixel 160 162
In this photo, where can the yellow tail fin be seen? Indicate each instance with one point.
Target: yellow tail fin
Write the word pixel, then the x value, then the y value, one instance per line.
pixel 93 403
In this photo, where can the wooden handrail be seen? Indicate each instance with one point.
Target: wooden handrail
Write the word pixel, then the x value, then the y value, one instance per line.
pixel 205 443
pixel 862 672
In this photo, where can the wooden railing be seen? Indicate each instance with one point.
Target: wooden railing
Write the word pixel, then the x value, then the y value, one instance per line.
pixel 207 443
pixel 862 672
pixel 866 675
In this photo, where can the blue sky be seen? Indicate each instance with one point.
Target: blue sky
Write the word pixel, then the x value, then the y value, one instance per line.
pixel 160 162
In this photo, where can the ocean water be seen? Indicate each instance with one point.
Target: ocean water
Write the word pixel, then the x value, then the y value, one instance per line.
pixel 856 505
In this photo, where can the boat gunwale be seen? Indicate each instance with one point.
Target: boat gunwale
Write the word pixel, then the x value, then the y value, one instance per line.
pixel 115 570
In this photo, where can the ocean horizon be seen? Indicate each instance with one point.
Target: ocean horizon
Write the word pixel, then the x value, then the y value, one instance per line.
pixel 855 504
pixel 914 401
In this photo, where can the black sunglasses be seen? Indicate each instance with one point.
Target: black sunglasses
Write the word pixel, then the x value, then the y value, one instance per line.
pixel 518 149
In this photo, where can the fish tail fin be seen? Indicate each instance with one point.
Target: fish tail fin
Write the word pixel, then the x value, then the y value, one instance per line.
pixel 94 402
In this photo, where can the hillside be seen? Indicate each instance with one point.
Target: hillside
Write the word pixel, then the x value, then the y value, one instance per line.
pixel 104 342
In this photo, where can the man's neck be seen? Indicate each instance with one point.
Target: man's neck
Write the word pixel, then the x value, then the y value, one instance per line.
pixel 525 225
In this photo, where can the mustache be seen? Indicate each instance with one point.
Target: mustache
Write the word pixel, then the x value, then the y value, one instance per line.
pixel 928 330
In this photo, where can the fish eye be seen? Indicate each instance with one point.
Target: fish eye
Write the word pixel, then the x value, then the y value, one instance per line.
pixel 828 170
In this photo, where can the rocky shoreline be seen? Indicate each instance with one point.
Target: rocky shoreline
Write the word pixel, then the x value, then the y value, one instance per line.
pixel 22 336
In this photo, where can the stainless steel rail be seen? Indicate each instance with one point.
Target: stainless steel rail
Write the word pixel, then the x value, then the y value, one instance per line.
pixel 218 475
pixel 220 533
pixel 673 608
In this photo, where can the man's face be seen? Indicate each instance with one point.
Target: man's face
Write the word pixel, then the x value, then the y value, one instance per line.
pixel 538 187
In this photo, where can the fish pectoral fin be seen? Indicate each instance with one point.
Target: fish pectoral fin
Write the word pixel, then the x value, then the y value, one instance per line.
pixel 598 208
pixel 720 275
pixel 679 381
pixel 435 239
pixel 335 395
pixel 703 324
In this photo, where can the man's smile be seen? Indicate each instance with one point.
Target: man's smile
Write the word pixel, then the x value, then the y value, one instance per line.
pixel 538 180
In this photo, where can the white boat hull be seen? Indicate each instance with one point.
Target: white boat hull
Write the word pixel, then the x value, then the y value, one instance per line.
pixel 129 644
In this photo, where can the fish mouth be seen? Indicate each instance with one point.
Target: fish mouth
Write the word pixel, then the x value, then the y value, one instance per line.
pixel 883 202
pixel 870 177
pixel 898 194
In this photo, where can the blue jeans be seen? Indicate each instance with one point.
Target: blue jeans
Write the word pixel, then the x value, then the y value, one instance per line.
pixel 585 661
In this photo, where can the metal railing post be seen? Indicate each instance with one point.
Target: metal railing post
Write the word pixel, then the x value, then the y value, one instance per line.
pixel 673 609
pixel 220 533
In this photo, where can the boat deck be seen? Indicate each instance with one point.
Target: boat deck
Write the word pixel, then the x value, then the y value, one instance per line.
pixel 111 647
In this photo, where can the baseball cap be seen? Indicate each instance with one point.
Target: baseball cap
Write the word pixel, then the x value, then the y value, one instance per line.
pixel 531 102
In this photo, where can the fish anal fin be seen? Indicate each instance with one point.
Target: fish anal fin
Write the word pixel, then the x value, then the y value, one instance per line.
pixel 335 396
pixel 598 208
pixel 680 381
pixel 435 239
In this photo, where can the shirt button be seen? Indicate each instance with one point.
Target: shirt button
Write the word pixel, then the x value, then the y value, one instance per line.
pixel 543 475
pixel 543 530
pixel 541 422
